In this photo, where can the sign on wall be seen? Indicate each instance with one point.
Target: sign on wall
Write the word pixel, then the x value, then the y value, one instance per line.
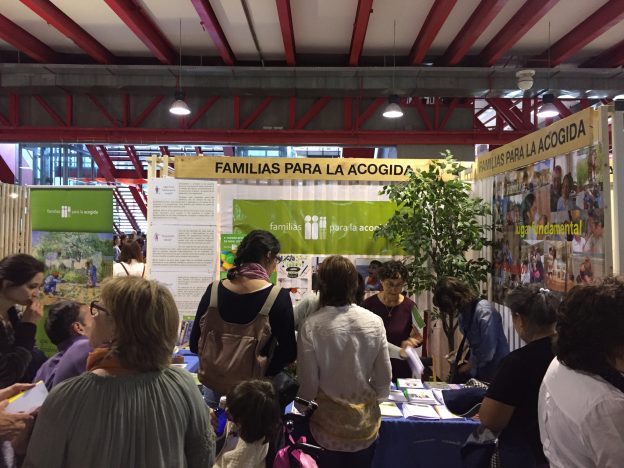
pixel 318 226
pixel 72 234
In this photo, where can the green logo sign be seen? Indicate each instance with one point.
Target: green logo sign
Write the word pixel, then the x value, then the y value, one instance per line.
pixel 318 226
pixel 67 210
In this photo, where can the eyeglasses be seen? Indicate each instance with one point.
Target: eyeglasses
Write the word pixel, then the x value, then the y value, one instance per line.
pixel 95 308
pixel 389 284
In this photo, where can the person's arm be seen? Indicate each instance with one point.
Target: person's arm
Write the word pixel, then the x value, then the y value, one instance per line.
pixel 307 305
pixel 283 330
pixel 604 433
pixel 11 425
pixel 196 330
pixel 14 363
pixel 199 441
pixel 488 323
pixel 495 415
pixel 73 362
pixel 506 392
pixel 382 370
pixel 307 366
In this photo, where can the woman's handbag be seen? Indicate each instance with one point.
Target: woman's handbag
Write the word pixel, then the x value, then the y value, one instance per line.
pixel 480 449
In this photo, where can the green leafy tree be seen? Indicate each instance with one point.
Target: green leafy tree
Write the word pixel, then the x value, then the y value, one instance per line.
pixel 436 223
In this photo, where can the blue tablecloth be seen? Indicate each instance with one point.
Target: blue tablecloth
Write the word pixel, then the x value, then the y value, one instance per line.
pixel 416 443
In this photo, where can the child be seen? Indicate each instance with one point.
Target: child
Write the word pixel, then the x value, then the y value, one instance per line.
pixel 50 283
pixel 254 413
pixel 91 274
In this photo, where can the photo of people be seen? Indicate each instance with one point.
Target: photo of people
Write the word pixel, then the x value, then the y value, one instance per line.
pixel 549 219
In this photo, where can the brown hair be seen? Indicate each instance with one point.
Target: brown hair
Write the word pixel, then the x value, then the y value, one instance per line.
pixel 254 407
pixel 451 294
pixel 337 281
pixel 146 322
pixel 131 250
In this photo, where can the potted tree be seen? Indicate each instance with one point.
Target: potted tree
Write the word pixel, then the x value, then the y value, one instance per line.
pixel 436 222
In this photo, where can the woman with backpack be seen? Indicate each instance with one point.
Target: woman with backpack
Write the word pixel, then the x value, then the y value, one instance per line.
pixel 130 261
pixel 244 326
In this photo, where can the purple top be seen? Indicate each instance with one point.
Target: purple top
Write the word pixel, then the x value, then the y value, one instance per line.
pixel 70 361
pixel 398 323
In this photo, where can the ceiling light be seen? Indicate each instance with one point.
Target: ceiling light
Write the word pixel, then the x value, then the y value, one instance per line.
pixel 566 96
pixel 619 96
pixel 179 106
pixel 525 79
pixel 548 108
pixel 393 110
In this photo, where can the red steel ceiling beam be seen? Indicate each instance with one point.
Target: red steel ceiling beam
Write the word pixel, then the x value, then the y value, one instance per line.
pixel 138 199
pixel 317 107
pixel 613 57
pixel 201 111
pixel 526 17
pixel 211 24
pixel 105 165
pixel 288 34
pixel 52 15
pixel 103 110
pixel 6 174
pixel 502 109
pixel 368 112
pixel 562 108
pixel 251 118
pixel 360 25
pixel 147 111
pixel 25 42
pixel 423 113
pixel 480 19
pixel 240 137
pixel 438 14
pixel 50 111
pixel 144 28
pixel 603 19
pixel 134 159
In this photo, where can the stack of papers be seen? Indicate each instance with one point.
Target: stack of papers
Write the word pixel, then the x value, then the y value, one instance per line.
pixel 410 383
pixel 442 385
pixel 445 413
pixel 390 410
pixel 398 396
pixel 421 396
pixel 420 411
pixel 29 400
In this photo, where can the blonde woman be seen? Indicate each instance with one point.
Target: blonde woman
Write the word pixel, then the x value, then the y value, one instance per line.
pixel 130 408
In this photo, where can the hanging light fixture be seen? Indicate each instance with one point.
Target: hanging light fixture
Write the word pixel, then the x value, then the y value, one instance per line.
pixel 179 106
pixel 393 109
pixel 548 109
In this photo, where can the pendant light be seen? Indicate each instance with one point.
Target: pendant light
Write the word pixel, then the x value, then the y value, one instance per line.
pixel 179 106
pixel 548 109
pixel 393 109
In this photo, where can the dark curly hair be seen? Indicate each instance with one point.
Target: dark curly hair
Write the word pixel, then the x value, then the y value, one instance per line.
pixel 537 305
pixel 451 294
pixel 254 406
pixel 590 327
pixel 392 269
pixel 254 249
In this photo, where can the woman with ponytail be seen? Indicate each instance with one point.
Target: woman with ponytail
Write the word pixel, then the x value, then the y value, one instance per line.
pixel 242 295
pixel 510 405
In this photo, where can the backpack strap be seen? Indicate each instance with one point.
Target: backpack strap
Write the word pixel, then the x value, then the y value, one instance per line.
pixel 125 269
pixel 143 274
pixel 266 308
pixel 213 294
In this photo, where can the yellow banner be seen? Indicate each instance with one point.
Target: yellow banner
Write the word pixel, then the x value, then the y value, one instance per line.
pixel 561 137
pixel 207 167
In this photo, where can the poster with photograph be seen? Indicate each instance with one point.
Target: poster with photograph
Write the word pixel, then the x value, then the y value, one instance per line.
pixel 549 219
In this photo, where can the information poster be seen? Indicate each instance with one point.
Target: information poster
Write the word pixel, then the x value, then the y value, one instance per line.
pixel 318 226
pixel 550 223
pixel 182 247
pixel 72 234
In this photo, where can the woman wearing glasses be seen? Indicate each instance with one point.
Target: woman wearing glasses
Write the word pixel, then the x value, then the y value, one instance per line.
pixel 240 299
pixel 130 408
pixel 396 312
pixel 21 277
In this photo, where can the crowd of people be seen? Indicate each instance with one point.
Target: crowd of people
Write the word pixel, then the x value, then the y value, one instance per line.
pixel 115 399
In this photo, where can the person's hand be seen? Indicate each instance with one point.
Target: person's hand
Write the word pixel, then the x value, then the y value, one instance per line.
pixel 213 420
pixel 20 442
pixel 14 389
pixel 12 425
pixel 464 367
pixel 33 312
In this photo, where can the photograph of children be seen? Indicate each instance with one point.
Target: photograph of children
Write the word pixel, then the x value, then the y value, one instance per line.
pixel 532 263
pixel 506 264
pixel 559 276
pixel 586 269
pixel 368 269
pixel 594 241
pixel 534 212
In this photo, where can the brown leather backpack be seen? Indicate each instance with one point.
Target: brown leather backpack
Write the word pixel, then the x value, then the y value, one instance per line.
pixel 231 352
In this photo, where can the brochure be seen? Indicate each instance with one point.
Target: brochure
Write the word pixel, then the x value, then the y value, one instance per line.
pixel 422 396
pixel 414 362
pixel 411 410
pixel 29 400
pixel 390 410
pixel 397 396
pixel 410 383
pixel 445 413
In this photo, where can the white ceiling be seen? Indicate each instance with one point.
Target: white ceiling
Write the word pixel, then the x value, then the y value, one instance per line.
pixel 320 27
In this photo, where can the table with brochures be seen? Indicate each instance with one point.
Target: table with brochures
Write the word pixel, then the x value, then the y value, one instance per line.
pixel 430 436
pixel 190 359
